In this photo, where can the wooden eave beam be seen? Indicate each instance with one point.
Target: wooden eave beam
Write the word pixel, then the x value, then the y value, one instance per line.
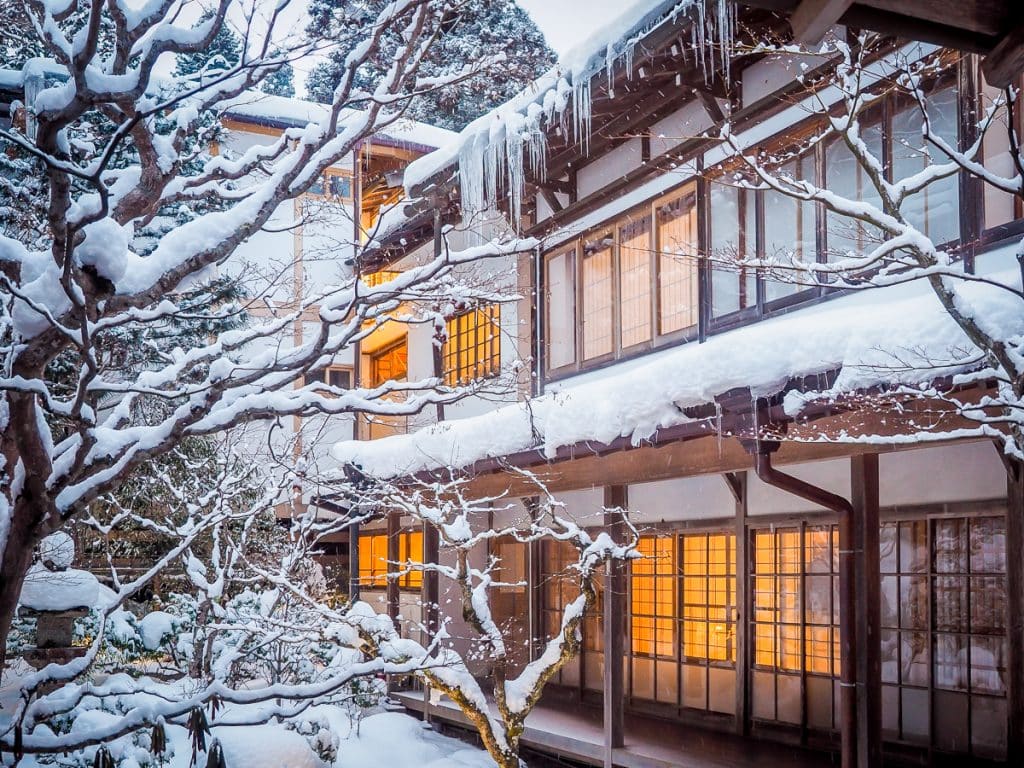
pixel 1006 60
pixel 813 18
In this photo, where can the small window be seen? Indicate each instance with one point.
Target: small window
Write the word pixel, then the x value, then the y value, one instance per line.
pixel 635 282
pixel 561 309
pixel 334 376
pixel 677 262
pixel 379 277
pixel 334 184
pixel 473 349
pixel 390 363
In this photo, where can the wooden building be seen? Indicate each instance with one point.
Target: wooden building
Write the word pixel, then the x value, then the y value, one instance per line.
pixel 867 598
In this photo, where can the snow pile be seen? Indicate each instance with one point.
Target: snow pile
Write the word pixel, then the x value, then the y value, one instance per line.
pixel 57 551
pixel 398 741
pixel 489 152
pixel 868 336
pixel 46 590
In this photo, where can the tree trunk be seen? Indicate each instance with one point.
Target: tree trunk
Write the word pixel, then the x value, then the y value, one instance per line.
pixel 14 564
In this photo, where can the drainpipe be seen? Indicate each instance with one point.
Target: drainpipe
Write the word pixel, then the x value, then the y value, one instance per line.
pixel 762 450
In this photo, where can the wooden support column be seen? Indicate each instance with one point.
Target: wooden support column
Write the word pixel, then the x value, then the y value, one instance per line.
pixel 431 587
pixel 394 524
pixel 353 562
pixel 614 630
pixel 864 485
pixel 737 482
pixel 1015 611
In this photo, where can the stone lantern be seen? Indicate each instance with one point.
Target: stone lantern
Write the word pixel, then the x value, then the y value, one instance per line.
pixel 55 595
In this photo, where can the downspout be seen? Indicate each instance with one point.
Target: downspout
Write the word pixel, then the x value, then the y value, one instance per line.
pixel 762 451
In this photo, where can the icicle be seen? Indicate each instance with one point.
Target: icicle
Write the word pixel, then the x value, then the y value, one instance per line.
pixel 718 424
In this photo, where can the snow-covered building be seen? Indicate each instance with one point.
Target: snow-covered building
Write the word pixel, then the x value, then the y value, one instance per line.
pixel 672 382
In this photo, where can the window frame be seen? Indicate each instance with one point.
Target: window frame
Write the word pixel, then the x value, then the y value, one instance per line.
pixel 486 352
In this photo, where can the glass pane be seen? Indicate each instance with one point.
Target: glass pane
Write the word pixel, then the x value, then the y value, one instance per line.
pixel 597 298
pixel 732 238
pixel 643 679
pixel 950 662
pixel 988 604
pixel 635 282
pixel 988 545
pixel 890 712
pixel 789 234
pixel 914 658
pixel 890 607
pixel 845 176
pixel 677 263
pixel 887 560
pixel 936 209
pixel 988 664
pixel 789 698
pixel 951 603
pixel 890 654
pixel 914 602
pixel 951 546
pixel 722 690
pixel 914 547
pixel 694 686
pixel 561 330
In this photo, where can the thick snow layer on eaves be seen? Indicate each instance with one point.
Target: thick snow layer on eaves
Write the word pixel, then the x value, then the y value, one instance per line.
pixel 299 112
pixel 492 146
pixel 862 335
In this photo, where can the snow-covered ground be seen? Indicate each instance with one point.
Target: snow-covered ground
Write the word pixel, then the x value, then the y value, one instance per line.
pixel 388 739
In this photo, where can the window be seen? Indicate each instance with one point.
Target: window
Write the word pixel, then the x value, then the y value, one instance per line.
pixel 936 209
pixel 390 363
pixel 677 262
pixel 373 559
pixel 598 297
pixel 339 377
pixel 473 349
pixel 335 184
pixel 557 590
pixel 732 238
pixel 561 309
pixel 795 585
pixel 652 623
pixel 789 232
pixel 845 176
pixel 943 610
pixel 635 282
pixel 380 276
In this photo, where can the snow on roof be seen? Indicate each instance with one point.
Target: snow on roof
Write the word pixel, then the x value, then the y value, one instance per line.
pixel 290 112
pixel 861 335
pixel 493 144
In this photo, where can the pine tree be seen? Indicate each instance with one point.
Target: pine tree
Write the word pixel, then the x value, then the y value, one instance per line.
pixel 478 29
pixel 224 53
pixel 281 82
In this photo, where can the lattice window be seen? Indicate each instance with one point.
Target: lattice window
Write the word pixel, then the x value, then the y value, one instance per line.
pixel 635 282
pixel 390 363
pixel 653 609
pixel 677 263
pixel 709 596
pixel 598 293
pixel 373 559
pixel 473 349
pixel 334 184
pixel 380 276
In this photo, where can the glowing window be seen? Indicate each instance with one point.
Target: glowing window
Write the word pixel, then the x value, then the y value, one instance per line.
pixel 473 349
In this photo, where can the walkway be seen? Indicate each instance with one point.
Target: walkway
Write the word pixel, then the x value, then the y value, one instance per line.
pixel 575 733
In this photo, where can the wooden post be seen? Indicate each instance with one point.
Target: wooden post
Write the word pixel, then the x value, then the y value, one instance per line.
pixel 353 562
pixel 1015 611
pixel 614 630
pixel 737 482
pixel 864 485
pixel 394 524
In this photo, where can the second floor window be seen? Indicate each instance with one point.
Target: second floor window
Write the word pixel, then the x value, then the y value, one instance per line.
pixel 333 185
pixel 390 363
pixel 374 565
pixel 473 349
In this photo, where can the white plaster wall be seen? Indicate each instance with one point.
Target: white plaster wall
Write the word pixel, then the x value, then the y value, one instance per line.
pixel 686 498
pixel 607 168
pixel 960 472
pixel 832 475
pixel 773 72
pixel 585 506
pixel 681 125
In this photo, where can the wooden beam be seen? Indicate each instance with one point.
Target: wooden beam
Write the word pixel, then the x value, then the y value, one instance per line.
pixel 864 498
pixel 1006 60
pixel 1015 612
pixel 614 630
pixel 812 18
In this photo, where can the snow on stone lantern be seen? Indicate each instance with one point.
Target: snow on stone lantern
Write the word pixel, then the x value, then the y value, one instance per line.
pixel 55 595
